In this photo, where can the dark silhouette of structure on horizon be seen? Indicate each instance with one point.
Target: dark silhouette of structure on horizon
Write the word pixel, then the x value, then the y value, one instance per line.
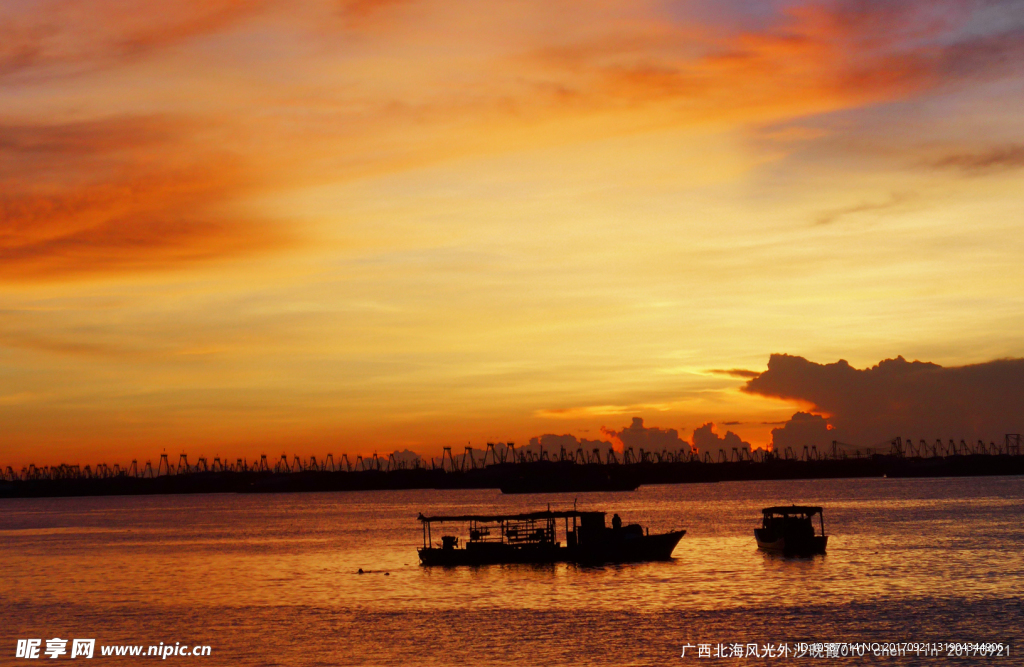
pixel 515 472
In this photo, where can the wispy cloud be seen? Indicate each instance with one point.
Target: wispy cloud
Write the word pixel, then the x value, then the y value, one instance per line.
pixel 360 12
pixel 895 201
pixel 56 38
pixel 598 411
pixel 143 191
pixel 735 372
pixel 60 345
pixel 998 158
pixel 88 198
pixel 817 58
pixel 504 182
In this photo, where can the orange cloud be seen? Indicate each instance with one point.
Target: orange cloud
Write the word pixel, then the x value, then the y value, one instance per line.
pixel 54 37
pixel 359 11
pixel 136 137
pixel 81 196
pixel 815 59
pixel 116 195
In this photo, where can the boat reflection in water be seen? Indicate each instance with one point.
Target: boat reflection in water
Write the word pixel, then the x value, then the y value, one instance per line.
pixel 531 538
pixel 790 531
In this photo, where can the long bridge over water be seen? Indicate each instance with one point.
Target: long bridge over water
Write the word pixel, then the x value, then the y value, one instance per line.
pixel 503 466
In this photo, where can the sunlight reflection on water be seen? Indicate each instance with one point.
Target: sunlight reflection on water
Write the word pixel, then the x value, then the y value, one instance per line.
pixel 253 570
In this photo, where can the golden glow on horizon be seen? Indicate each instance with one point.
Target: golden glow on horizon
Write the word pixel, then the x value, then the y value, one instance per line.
pixel 346 226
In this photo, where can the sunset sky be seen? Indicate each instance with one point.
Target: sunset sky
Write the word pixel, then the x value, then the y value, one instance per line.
pixel 233 228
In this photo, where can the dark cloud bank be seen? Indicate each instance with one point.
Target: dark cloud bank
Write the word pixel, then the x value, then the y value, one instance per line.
pixel 863 408
pixel 647 438
pixel 869 407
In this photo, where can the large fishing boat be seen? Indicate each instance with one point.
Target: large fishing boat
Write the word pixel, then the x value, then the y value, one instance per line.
pixel 790 531
pixel 533 538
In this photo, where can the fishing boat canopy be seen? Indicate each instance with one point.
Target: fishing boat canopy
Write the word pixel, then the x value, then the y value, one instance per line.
pixel 784 510
pixel 493 518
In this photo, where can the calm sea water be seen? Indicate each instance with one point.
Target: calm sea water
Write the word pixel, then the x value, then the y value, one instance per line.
pixel 272 579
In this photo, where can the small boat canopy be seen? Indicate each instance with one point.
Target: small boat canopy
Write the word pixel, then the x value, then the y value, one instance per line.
pixel 792 509
pixel 487 518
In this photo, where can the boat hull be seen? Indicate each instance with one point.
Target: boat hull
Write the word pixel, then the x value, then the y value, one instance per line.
pixel 809 546
pixel 631 549
pixel 501 553
pixel 613 549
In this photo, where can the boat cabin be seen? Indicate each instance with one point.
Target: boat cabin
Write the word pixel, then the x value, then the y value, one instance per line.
pixel 791 530
pixel 794 519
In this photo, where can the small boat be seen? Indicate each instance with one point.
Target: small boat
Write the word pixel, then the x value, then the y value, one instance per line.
pixel 531 538
pixel 790 531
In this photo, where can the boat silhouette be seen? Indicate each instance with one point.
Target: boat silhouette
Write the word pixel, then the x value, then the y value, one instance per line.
pixel 531 538
pixel 790 531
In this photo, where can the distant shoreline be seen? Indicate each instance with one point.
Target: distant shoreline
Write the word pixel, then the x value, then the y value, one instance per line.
pixel 524 477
